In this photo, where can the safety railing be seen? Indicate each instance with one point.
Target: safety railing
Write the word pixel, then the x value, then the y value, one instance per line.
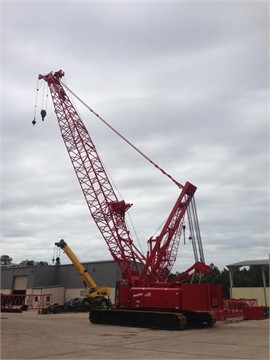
pixel 24 301
pixel 233 308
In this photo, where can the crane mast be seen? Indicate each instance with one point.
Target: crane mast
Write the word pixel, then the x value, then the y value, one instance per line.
pixel 108 211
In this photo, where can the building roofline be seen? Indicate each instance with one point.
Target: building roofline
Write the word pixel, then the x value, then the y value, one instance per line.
pixel 17 266
pixel 249 263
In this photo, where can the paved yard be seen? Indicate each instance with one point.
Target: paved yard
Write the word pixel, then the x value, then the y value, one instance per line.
pixel 28 335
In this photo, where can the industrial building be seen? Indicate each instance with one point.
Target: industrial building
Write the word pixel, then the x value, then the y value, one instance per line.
pixel 62 282
pixel 260 293
pixel 59 282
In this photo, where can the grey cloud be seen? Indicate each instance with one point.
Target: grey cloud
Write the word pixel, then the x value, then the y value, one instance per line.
pixel 185 82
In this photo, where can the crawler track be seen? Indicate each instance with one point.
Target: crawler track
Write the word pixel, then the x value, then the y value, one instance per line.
pixel 136 318
pixel 152 319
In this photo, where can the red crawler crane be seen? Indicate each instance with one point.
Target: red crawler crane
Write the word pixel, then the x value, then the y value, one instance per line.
pixel 144 297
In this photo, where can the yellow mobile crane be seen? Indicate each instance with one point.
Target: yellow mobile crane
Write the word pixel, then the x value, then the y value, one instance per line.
pixel 96 296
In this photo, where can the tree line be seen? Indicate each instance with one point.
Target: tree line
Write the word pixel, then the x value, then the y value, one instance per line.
pixel 7 260
pixel 242 277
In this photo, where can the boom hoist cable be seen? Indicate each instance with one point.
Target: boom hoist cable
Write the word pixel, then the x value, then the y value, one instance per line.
pixel 122 137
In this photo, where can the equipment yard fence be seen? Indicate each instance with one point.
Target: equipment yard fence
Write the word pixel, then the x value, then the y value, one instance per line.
pixel 20 302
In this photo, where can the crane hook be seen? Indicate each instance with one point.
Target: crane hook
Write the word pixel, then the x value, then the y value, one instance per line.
pixel 184 233
pixel 34 122
pixel 43 114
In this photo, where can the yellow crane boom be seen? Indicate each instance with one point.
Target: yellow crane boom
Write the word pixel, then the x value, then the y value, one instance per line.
pixel 94 292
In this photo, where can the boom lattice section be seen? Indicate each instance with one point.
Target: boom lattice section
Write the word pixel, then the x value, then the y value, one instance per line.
pixel 107 211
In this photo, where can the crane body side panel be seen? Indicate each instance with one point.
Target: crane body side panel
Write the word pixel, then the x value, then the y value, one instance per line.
pixel 155 298
pixel 185 297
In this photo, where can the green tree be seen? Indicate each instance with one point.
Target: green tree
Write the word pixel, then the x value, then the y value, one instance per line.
pixel 6 260
pixel 27 263
pixel 214 277
pixel 32 263
pixel 42 263
pixel 225 282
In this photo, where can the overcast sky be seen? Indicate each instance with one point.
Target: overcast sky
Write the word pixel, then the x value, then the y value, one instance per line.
pixel 185 81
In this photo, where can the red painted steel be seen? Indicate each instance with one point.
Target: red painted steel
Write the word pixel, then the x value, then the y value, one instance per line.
pixel 144 284
pixel 106 209
pixel 254 313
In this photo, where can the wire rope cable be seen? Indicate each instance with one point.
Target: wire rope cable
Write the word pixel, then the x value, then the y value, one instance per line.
pixel 35 108
pixel 122 137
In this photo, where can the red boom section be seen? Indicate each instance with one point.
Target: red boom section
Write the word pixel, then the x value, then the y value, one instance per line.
pixel 164 248
pixel 107 211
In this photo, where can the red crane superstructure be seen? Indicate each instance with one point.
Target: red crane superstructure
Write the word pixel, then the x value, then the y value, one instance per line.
pixel 145 297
